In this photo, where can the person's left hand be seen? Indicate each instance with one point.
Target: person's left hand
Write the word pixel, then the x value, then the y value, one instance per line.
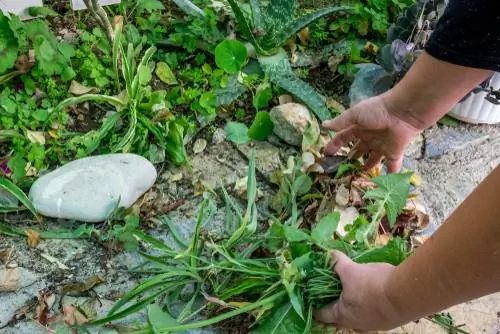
pixel 364 304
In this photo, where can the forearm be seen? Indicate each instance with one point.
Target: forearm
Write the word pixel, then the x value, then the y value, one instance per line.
pixel 430 89
pixel 460 262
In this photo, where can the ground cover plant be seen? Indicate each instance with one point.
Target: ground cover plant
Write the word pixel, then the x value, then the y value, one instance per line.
pixel 150 76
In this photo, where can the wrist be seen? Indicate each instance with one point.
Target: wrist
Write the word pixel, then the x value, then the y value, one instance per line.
pixel 403 109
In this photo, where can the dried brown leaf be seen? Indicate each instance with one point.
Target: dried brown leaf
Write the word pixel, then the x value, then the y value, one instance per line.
pixel 9 277
pixel 72 316
pixel 199 146
pixel 33 238
pixel 304 36
pixel 46 300
pixel 78 89
pixel 342 195
pixel 77 289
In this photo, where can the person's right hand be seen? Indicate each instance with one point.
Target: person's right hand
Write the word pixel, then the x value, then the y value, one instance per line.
pixel 380 131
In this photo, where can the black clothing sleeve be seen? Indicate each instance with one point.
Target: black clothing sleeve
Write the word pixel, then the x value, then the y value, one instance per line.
pixel 468 34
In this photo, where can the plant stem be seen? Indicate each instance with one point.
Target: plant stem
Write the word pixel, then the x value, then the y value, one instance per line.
pixel 225 316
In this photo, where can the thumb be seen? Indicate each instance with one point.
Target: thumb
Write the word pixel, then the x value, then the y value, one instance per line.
pixel 330 314
pixel 340 263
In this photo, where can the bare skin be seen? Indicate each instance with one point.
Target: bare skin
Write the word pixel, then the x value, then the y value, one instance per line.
pixel 460 262
pixel 386 124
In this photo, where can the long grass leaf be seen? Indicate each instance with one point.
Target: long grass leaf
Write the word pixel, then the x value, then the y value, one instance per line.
pixel 18 193
pixel 128 138
pixel 245 309
pixel 130 310
pixel 115 101
pixel 8 134
pixel 143 63
pixel 173 230
pixel 150 284
pixel 245 27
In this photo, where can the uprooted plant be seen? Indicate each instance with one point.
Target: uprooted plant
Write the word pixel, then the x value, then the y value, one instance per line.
pixel 277 277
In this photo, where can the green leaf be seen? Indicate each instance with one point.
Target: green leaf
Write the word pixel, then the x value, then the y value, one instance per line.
pixel 230 55
pixel 18 193
pixel 149 6
pixel 449 121
pixel 165 74
pixel 262 97
pixel 245 27
pixel 41 11
pixel 394 252
pixel 18 166
pixel 310 137
pixel 302 184
pixel 68 74
pixel 237 132
pixel 9 46
pixel 280 72
pixel 262 126
pixel 293 234
pixel 208 100
pixel 158 318
pixel 322 234
pixel 282 320
pixel 392 193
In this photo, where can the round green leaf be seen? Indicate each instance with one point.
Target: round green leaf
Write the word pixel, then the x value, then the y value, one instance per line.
pixel 237 132
pixel 230 55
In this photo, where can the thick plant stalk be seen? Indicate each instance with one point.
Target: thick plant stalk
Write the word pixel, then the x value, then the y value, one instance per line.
pixel 101 17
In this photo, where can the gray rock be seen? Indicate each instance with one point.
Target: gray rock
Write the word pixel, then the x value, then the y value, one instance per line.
pixel 90 189
pixel 267 156
pixel 219 136
pixel 371 80
pixel 290 121
pixel 447 140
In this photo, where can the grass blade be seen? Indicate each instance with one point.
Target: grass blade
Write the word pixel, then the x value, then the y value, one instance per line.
pixel 115 101
pixel 19 194
pixel 175 234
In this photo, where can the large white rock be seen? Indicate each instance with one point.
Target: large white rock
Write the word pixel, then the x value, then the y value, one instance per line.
pixel 89 189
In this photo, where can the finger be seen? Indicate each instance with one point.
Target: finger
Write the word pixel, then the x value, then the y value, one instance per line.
pixel 360 151
pixel 341 138
pixel 340 262
pixel 394 165
pixel 343 121
pixel 373 161
pixel 330 314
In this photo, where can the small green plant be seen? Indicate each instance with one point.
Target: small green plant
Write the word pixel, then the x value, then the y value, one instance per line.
pixel 17 37
pixel 137 105
pixel 268 27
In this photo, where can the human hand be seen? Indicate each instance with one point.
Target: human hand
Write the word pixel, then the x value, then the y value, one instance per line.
pixel 381 132
pixel 364 304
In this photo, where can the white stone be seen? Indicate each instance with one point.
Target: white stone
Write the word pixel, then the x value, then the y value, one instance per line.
pixel 79 4
pixel 89 189
pixel 19 7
